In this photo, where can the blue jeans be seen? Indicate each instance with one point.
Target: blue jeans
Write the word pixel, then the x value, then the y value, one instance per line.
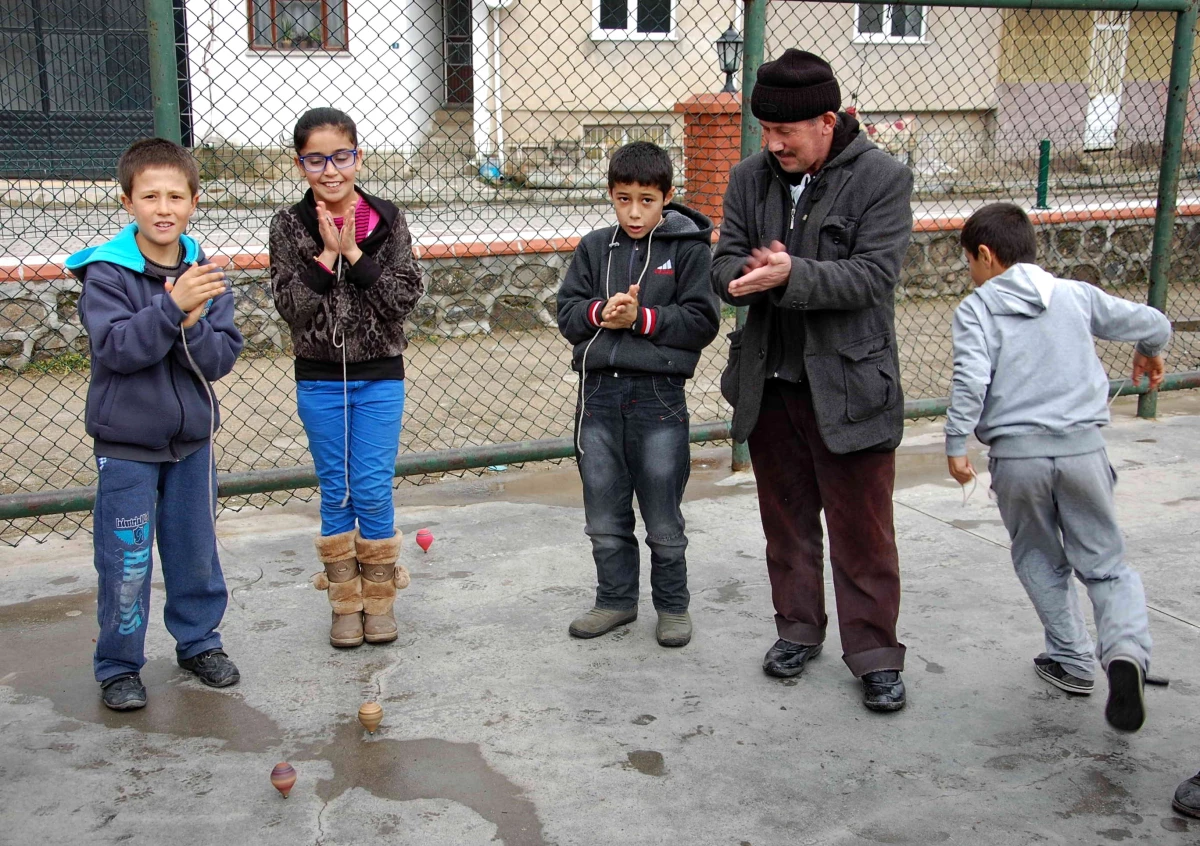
pixel 633 438
pixel 371 413
pixel 135 502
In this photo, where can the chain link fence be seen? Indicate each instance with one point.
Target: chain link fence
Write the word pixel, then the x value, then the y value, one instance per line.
pixel 490 122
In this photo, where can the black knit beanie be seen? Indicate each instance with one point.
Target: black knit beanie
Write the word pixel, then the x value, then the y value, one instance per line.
pixel 796 86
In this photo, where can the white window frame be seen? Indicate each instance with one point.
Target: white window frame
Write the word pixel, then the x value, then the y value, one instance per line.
pixel 885 37
pixel 630 33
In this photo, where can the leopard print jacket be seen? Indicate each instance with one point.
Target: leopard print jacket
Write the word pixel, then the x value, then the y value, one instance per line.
pixel 366 308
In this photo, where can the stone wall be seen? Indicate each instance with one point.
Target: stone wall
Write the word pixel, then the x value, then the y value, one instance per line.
pixel 39 321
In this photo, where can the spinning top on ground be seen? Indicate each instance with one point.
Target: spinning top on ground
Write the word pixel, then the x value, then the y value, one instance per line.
pixel 283 777
pixel 424 539
pixel 370 715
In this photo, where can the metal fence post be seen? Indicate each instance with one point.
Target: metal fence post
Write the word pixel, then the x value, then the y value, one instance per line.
pixel 164 84
pixel 1168 177
pixel 1043 183
pixel 754 24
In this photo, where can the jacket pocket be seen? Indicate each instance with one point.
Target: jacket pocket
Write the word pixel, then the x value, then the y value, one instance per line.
pixel 108 396
pixel 836 238
pixel 871 382
pixel 730 377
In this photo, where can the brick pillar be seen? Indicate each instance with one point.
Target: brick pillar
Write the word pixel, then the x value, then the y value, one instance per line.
pixel 712 129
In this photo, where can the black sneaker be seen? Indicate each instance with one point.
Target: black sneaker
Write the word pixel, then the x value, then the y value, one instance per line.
pixel 1126 709
pixel 212 667
pixel 123 693
pixel 1060 677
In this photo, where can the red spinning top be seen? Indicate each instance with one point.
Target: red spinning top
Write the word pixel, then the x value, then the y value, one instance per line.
pixel 424 539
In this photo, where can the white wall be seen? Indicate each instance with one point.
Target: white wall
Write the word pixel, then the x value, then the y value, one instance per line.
pixel 249 97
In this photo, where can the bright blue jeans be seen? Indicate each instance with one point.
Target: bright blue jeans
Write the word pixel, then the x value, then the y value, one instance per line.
pixel 633 437
pixel 371 414
pixel 137 501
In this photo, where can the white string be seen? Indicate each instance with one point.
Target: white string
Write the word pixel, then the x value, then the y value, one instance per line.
pixel 345 395
pixel 212 426
pixel 974 484
pixel 583 363
pixel 1117 392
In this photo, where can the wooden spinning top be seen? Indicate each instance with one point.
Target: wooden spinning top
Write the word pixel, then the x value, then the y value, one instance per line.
pixel 283 777
pixel 370 715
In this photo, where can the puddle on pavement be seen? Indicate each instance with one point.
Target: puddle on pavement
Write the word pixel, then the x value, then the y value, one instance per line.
pixel 647 762
pixel 428 768
pixel 48 654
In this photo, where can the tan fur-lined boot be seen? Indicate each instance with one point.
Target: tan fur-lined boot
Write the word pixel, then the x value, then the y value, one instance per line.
pixel 381 577
pixel 344 585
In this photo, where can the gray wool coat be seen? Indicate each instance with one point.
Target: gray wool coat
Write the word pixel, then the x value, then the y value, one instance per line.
pixel 843 282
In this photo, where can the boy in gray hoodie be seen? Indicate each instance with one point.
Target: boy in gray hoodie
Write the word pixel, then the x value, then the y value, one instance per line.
pixel 1028 382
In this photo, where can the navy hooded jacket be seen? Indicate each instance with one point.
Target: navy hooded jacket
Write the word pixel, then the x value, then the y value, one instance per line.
pixel 144 403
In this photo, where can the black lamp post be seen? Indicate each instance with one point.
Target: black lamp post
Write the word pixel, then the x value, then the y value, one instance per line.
pixel 729 52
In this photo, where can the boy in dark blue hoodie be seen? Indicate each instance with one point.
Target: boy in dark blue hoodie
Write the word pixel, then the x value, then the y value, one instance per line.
pixel 637 305
pixel 159 320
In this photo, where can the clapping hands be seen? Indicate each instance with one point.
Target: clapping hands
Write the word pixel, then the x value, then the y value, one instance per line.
pixel 620 312
pixel 337 241
pixel 194 288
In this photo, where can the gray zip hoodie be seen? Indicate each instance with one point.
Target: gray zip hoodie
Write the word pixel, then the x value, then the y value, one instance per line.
pixel 1027 379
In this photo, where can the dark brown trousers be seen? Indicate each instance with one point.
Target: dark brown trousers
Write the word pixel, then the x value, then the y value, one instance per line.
pixel 797 478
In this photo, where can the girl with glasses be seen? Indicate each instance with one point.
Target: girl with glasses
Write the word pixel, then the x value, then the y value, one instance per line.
pixel 344 278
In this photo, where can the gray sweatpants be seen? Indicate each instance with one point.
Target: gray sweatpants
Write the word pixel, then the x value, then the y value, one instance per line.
pixel 1060 515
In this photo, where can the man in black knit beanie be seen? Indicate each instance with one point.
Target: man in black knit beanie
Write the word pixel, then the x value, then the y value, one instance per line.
pixel 815 229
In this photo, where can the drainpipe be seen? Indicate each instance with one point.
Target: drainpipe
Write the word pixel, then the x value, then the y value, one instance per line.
pixel 489 112
pixel 497 88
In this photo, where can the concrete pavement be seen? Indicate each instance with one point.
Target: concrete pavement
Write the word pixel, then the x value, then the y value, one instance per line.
pixel 498 727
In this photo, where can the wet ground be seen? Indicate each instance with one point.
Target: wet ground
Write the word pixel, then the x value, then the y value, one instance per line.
pixel 499 728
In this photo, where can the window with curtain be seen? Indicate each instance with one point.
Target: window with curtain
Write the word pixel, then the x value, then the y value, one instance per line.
pixel 298 25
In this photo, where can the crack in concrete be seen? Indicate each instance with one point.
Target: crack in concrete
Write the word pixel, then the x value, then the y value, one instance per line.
pixel 321 823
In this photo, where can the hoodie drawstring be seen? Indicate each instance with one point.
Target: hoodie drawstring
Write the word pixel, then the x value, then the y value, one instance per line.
pixel 607 295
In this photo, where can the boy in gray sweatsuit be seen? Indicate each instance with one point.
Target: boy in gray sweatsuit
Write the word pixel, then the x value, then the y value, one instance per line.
pixel 1028 382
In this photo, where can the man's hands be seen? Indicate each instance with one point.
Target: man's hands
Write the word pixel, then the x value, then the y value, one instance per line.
pixel 1152 367
pixel 621 310
pixel 194 288
pixel 960 468
pixel 337 241
pixel 767 267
